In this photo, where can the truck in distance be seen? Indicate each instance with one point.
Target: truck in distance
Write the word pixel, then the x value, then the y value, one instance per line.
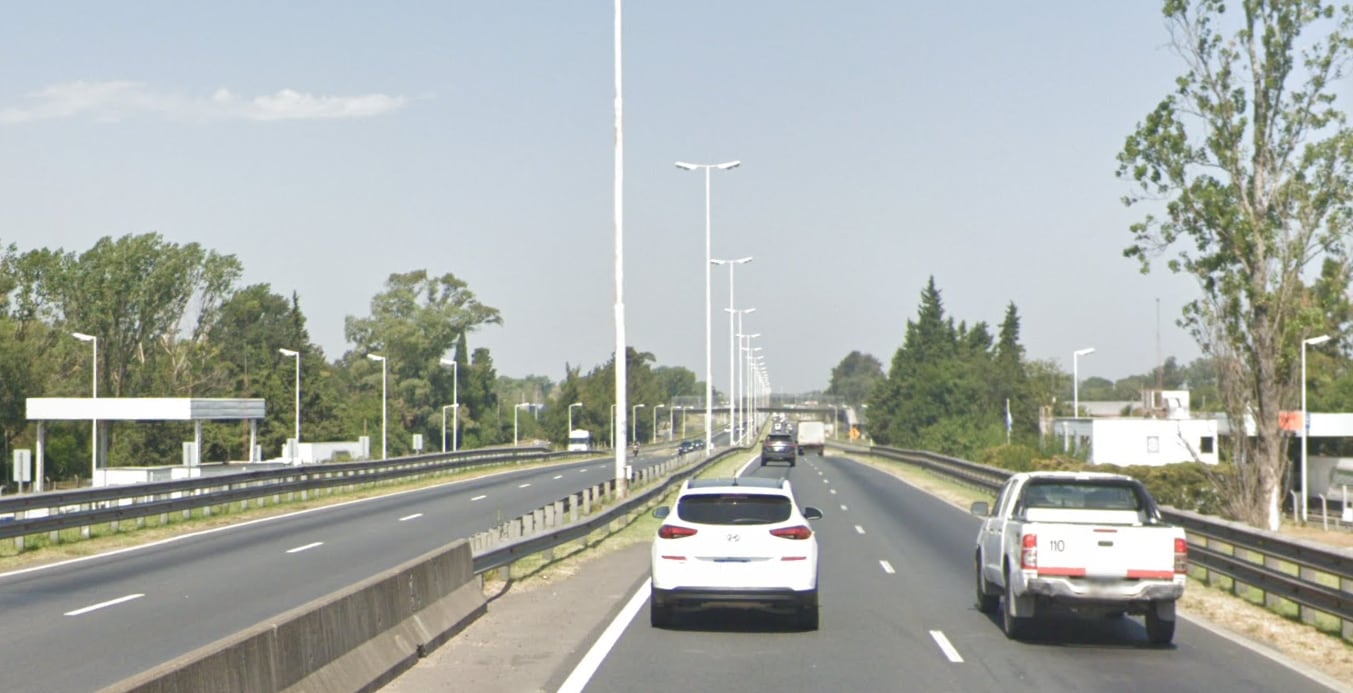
pixel 812 437
pixel 1086 542
pixel 579 440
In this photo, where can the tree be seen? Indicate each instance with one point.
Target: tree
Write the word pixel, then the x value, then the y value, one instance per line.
pixel 1252 163
pixel 855 377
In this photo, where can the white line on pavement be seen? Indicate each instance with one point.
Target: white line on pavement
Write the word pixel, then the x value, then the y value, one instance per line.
pixel 859 529
pixel 558 476
pixel 582 673
pixel 844 508
pixel 307 547
pixel 414 516
pixel 524 485
pixel 946 646
pixel 100 605
pixel 833 492
pixel 478 498
pixel 887 567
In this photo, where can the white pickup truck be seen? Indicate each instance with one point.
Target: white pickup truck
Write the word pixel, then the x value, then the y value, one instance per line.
pixel 1090 543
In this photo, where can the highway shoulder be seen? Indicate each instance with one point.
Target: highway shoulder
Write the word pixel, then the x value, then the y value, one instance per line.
pixel 533 633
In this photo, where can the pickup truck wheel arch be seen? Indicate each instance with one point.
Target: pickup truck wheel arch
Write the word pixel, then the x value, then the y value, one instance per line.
pixel 987 599
pixel 1015 627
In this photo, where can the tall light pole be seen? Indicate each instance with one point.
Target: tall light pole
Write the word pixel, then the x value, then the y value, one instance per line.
pixel 570 417
pixel 455 405
pixel 709 382
pixel 634 422
pixel 94 423
pixel 749 383
pixel 516 410
pixel 1076 379
pixel 732 337
pixel 1305 422
pixel 385 450
pixel 444 408
pixel 742 384
pixel 621 354
pixel 613 439
pixel 296 355
pixel 656 407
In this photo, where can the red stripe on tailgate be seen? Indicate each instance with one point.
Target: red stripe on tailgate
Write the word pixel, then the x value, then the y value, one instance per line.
pixel 1062 572
pixel 1150 575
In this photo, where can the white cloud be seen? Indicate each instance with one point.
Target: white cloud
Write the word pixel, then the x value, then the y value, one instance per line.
pixel 115 100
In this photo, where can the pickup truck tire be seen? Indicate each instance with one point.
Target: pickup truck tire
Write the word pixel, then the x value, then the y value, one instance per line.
pixel 987 598
pixel 1158 630
pixel 1015 627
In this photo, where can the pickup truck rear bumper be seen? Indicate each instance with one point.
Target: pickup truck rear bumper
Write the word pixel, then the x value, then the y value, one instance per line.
pixel 1089 591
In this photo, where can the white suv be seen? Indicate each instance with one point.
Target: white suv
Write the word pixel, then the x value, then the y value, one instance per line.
pixel 740 542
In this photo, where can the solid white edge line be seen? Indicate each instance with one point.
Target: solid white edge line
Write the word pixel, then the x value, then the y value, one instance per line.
pixel 558 476
pixel 479 497
pixel 525 485
pixel 887 567
pixel 946 647
pixel 414 516
pixel 859 529
pixel 307 547
pixel 588 665
pixel 750 460
pixel 100 605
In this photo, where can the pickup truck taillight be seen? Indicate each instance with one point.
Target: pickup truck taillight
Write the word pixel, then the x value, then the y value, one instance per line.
pixel 674 532
pixel 1028 555
pixel 1181 556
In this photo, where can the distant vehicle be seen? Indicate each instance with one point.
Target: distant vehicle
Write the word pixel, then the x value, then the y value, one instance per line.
pixel 812 436
pixel 739 542
pixel 1086 542
pixel 579 440
pixel 778 447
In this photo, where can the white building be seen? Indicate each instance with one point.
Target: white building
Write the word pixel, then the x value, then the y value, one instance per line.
pixel 1172 436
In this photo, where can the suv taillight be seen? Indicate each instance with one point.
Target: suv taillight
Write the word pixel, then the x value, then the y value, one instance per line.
pixel 1028 555
pixel 797 532
pixel 1181 556
pixel 674 532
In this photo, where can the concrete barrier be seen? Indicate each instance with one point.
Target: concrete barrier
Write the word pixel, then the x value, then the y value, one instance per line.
pixel 356 639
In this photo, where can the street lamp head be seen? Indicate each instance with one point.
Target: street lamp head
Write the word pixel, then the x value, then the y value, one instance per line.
pixel 685 166
pixel 640 406
pixel 1316 340
pixel 288 352
pixel 1084 352
pixel 375 357
pixel 83 337
pixel 448 362
pixel 727 165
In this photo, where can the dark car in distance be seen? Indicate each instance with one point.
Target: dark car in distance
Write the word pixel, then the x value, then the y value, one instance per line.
pixel 779 447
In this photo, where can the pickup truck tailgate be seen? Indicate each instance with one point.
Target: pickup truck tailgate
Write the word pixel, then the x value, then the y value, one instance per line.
pixel 1104 551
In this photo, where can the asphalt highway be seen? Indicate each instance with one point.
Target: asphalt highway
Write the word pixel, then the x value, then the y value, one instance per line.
pixel 896 581
pixel 86 624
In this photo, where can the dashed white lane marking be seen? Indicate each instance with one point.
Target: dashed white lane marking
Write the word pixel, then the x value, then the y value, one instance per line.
pixel 582 471
pixel 307 547
pixel 558 476
pixel 414 516
pixel 844 508
pixel 887 567
pixel 833 492
pixel 946 647
pixel 481 497
pixel 524 485
pixel 825 481
pixel 859 529
pixel 100 605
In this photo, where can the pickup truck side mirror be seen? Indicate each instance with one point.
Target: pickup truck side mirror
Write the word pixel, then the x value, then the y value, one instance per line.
pixel 981 508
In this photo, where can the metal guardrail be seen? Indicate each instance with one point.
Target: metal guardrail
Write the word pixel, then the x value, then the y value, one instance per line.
pixel 535 533
pixel 39 513
pixel 1316 579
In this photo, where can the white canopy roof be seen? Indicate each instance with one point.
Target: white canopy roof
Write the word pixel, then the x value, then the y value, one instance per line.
pixel 144 409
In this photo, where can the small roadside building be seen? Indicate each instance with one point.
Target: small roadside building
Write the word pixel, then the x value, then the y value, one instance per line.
pixel 1171 436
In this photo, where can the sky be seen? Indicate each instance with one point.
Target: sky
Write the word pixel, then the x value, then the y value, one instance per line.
pixel 328 145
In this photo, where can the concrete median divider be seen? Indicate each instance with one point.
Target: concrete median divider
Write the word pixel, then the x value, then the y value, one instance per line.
pixel 356 639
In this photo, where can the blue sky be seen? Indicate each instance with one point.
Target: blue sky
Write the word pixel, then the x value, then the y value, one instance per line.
pixel 330 144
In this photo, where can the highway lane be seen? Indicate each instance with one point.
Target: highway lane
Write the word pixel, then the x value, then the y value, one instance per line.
pixel 898 614
pixel 86 624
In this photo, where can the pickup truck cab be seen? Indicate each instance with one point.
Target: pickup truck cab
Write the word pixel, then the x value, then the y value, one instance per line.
pixel 1086 542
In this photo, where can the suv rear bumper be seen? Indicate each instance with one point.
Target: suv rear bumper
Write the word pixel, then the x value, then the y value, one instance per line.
pixel 716 597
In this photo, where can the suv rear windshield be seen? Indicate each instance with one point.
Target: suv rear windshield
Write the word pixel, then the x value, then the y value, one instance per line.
pixel 779 438
pixel 733 508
